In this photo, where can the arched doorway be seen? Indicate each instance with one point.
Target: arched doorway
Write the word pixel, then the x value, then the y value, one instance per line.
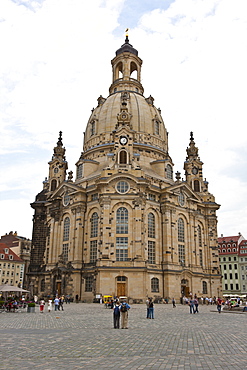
pixel 185 289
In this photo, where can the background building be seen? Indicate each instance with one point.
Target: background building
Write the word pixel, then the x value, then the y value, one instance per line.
pixel 12 267
pixel 232 263
pixel 21 246
pixel 126 225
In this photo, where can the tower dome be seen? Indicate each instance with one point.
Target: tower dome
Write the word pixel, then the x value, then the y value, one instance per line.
pixel 126 107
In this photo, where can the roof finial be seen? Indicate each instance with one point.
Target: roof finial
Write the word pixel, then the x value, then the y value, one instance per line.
pixel 127 36
pixel 191 136
pixel 59 143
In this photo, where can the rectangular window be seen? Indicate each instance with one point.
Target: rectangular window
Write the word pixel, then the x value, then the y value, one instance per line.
pixel 231 286
pixel 95 196
pixel 237 287
pixel 230 267
pixel 235 266
pixel 65 251
pixel 151 197
pixel 181 253
pixel 225 276
pixel 243 277
pixel 226 286
pixel 236 275
pixel 121 249
pixel 93 251
pixel 89 284
pixel 79 171
pixel 151 252
pixel 244 288
pixel 230 276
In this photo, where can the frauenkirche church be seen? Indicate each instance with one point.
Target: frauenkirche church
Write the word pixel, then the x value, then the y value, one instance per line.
pixel 126 225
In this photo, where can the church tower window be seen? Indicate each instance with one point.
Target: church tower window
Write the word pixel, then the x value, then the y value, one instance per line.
pixel 169 172
pixel 197 186
pixel 53 184
pixel 79 171
pixel 123 157
pixel 122 221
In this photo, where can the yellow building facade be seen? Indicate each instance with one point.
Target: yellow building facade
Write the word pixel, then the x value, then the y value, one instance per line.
pixel 126 225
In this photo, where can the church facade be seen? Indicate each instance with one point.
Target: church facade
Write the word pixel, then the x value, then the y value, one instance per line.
pixel 126 225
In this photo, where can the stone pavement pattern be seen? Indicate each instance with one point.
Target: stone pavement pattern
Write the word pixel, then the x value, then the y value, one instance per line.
pixel 82 337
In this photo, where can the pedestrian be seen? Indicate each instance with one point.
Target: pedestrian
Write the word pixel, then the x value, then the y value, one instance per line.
pixel 61 300
pixel 173 303
pixel 151 309
pixel 147 304
pixel 124 308
pixel 191 304
pixel 245 307
pixel 116 316
pixel 49 305
pixel 196 302
pixel 56 303
pixel 219 304
pixel 41 305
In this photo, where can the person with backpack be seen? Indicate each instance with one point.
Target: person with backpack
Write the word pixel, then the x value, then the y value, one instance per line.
pixel 124 308
pixel 116 316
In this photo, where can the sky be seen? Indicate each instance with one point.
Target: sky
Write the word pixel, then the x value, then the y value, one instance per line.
pixel 56 61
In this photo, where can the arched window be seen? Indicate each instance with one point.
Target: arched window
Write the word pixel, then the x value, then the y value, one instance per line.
pixel 122 221
pixel 181 230
pixel 66 227
pixel 133 68
pixel 151 225
pixel 204 287
pixel 197 186
pixel 53 184
pixel 155 285
pixel 123 157
pixel 94 225
pixel 169 172
pixel 119 71
pixel 92 128
pixel 156 127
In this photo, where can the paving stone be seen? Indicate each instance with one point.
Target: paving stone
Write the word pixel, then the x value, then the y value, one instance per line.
pixel 82 337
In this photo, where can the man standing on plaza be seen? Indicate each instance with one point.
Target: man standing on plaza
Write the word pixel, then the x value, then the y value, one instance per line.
pixel 219 304
pixel 56 303
pixel 191 303
pixel 124 308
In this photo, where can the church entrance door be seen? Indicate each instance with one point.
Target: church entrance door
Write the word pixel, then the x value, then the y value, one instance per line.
pixel 121 289
pixel 58 288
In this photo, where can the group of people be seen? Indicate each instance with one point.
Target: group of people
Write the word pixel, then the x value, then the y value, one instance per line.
pixel 120 309
pixel 58 304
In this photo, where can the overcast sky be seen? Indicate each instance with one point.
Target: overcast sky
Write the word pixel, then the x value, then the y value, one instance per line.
pixel 56 61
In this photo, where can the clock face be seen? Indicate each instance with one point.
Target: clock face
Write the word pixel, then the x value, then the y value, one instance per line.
pixel 195 171
pixel 123 140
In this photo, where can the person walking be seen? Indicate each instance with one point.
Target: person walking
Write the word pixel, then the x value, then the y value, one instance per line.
pixel 147 304
pixel 173 303
pixel 151 309
pixel 219 304
pixel 116 316
pixel 56 303
pixel 49 305
pixel 124 308
pixel 196 302
pixel 41 305
pixel 61 300
pixel 191 304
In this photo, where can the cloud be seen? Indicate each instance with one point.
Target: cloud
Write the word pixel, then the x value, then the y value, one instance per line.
pixel 55 62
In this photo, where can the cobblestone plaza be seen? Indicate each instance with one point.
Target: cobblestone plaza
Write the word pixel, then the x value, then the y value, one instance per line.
pixel 82 337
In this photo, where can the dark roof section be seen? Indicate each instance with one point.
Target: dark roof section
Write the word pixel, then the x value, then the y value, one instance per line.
pixel 127 48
